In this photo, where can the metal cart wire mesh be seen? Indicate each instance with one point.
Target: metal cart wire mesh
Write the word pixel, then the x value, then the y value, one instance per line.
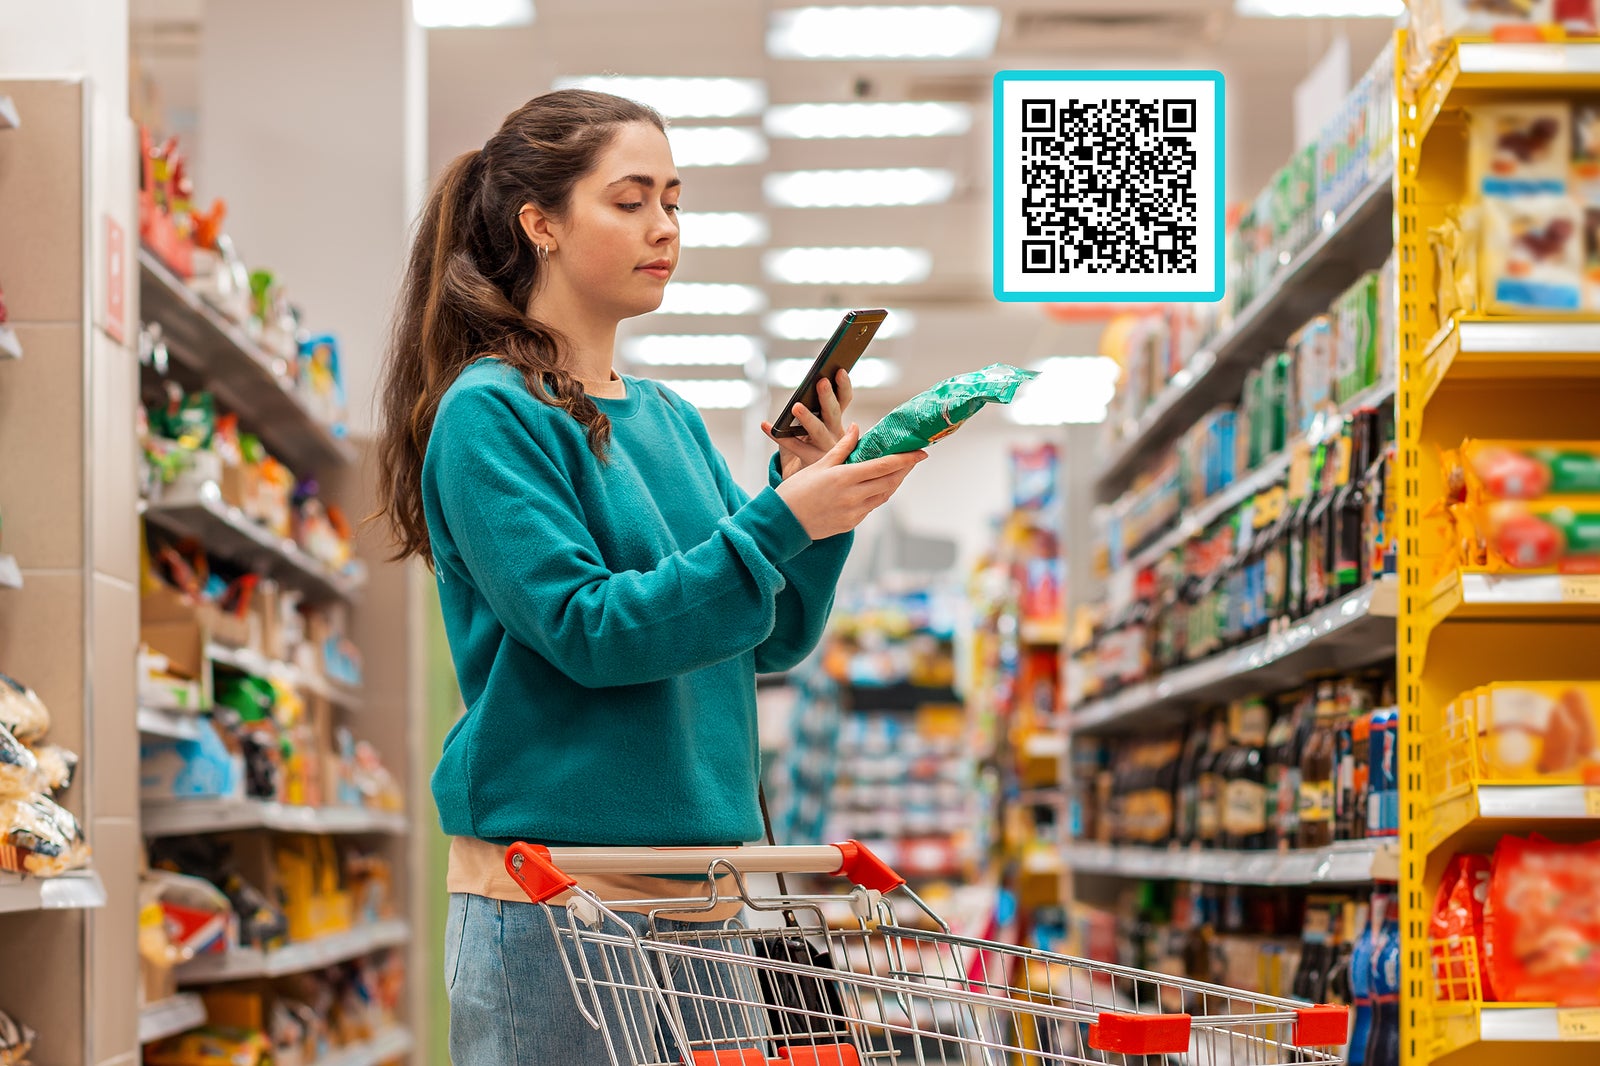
pixel 843 983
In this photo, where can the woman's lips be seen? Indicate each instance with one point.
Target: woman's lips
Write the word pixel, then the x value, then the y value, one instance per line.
pixel 657 272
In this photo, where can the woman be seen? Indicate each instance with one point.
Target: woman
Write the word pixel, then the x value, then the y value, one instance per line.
pixel 609 592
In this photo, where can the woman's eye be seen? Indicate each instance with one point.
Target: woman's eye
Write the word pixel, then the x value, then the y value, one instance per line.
pixel 630 207
pixel 674 208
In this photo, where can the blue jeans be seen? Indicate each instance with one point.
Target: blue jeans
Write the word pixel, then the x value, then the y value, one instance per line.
pixel 511 1003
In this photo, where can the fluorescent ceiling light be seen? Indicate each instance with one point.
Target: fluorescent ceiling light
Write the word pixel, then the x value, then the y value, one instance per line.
pixel 1319 9
pixel 453 13
pixel 717 146
pixel 914 32
pixel 691 349
pixel 818 323
pixel 723 394
pixel 680 97
pixel 847 266
pixel 705 298
pixel 1069 389
pixel 722 229
pixel 879 187
pixel 912 119
pixel 869 373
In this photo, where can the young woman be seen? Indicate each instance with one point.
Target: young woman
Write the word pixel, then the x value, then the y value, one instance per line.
pixel 608 590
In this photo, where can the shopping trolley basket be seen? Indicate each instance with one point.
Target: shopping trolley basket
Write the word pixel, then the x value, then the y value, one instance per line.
pixel 842 983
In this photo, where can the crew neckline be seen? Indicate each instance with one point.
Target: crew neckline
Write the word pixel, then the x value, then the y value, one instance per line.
pixel 625 406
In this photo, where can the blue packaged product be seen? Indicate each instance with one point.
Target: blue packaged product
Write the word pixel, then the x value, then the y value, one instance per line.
pixel 1383 774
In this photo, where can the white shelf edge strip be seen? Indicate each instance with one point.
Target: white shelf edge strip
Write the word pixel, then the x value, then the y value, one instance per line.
pixel 1349 862
pixel 171 1016
pixel 181 816
pixel 1256 655
pixel 1483 57
pixel 1534 801
pixel 1205 360
pixel 77 890
pixel 1522 338
pixel 295 958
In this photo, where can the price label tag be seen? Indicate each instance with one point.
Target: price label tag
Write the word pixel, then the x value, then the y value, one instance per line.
pixel 1580 588
pixel 1591 802
pixel 1579 1024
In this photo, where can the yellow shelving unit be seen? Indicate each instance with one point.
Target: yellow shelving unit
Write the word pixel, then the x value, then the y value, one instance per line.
pixel 1525 378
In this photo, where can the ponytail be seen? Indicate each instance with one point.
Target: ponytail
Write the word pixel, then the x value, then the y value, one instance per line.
pixel 469 280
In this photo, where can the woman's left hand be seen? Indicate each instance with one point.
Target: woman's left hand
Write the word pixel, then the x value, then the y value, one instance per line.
pixel 821 433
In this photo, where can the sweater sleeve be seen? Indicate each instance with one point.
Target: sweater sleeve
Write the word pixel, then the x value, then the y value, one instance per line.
pixel 810 580
pixel 519 528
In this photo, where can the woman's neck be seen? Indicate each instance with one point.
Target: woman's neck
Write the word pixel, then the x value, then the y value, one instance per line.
pixel 591 338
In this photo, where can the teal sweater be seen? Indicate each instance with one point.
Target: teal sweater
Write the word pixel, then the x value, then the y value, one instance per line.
pixel 607 620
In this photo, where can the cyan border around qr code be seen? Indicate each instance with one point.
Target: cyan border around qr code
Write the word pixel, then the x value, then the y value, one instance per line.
pixel 1008 223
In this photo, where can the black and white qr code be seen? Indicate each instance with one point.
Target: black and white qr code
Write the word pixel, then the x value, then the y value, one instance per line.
pixel 1110 191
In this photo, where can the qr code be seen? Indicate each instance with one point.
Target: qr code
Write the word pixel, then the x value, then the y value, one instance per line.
pixel 1108 188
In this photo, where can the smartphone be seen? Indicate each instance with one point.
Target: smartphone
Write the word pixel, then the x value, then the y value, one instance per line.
pixel 855 332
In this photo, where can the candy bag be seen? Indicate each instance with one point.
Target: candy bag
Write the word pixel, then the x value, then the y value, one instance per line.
pixel 935 414
pixel 19 769
pixel 57 766
pixel 1458 919
pixel 16 1040
pixel 41 837
pixel 1541 922
pixel 22 711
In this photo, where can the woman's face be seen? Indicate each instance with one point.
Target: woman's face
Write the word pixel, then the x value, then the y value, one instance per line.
pixel 618 244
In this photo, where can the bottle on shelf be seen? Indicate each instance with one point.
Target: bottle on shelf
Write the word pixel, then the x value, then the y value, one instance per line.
pixel 1283 798
pixel 1349 571
pixel 1317 771
pixel 1187 802
pixel 1208 808
pixel 1305 470
pixel 1310 981
pixel 1361 986
pixel 1383 800
pixel 1245 804
pixel 1319 526
pixel 1383 1044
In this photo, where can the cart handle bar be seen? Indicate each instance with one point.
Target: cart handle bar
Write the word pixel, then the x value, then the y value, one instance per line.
pixel 545 873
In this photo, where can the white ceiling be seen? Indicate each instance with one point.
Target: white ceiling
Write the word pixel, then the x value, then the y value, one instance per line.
pixel 477 76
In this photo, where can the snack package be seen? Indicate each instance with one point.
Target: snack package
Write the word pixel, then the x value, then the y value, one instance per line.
pixel 16 1040
pixel 234 1047
pixel 19 769
pixel 1529 470
pixel 41 837
pixel 1577 17
pixel 1591 257
pixel 935 414
pixel 57 766
pixel 1531 256
pixel 1458 919
pixel 1541 922
pixel 1557 535
pixel 22 711
pixel 1546 731
pixel 1520 149
pixel 1313 362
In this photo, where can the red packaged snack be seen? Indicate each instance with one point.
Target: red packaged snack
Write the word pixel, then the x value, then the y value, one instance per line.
pixel 1458 920
pixel 1542 922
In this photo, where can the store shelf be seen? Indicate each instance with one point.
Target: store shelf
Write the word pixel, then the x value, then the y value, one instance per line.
pixel 1358 240
pixel 171 1016
pixel 183 817
pixel 380 1049
pixel 1491 597
pixel 1473 68
pixel 1352 862
pixel 243 964
pixel 174 725
pixel 1276 467
pixel 1509 350
pixel 253 662
pixel 79 890
pixel 1355 631
pixel 237 370
pixel 1524 803
pixel 228 532
pixel 9 119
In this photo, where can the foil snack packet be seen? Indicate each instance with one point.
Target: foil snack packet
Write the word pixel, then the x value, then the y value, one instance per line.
pixel 938 412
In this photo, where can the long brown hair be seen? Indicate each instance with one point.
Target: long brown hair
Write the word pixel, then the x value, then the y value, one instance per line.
pixel 470 276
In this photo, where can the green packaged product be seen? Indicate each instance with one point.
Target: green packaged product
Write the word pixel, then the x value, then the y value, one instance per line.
pixel 935 414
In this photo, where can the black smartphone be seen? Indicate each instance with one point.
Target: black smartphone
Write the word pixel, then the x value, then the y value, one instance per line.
pixel 855 332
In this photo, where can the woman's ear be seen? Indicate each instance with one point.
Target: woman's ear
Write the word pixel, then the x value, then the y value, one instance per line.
pixel 536 224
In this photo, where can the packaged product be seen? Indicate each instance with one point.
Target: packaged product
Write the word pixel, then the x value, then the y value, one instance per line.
pixel 1532 254
pixel 1455 249
pixel 1546 731
pixel 1313 355
pixel 1575 16
pixel 1550 535
pixel 57 766
pixel 1520 149
pixel 1356 334
pixel 1458 922
pixel 16 1040
pixel 211 1047
pixel 1388 352
pixel 1541 922
pixel 41 837
pixel 935 414
pixel 22 711
pixel 1434 22
pixel 19 769
pixel 1530 470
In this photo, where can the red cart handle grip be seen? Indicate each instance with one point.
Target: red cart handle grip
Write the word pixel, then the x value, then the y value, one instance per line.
pixel 529 866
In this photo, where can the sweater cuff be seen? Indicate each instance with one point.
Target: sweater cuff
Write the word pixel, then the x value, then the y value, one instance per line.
pixel 775 470
pixel 774 528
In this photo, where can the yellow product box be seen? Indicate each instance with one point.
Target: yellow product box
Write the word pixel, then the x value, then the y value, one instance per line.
pixel 1545 731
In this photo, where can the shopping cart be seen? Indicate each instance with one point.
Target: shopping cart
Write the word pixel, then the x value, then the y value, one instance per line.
pixel 841 982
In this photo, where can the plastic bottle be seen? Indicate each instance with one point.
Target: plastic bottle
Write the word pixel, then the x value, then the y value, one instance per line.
pixel 1317 773
pixel 1361 987
pixel 1383 778
pixel 1383 1045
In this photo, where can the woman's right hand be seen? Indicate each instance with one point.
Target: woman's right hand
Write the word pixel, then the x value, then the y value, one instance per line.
pixel 831 496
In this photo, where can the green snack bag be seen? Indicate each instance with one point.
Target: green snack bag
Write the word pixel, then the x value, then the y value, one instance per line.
pixel 935 414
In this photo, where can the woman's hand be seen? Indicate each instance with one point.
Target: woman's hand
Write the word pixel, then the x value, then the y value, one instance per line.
pixel 821 433
pixel 829 496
